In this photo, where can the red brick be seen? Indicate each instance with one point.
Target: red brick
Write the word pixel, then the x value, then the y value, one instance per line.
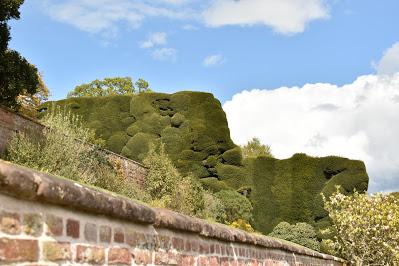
pixel 54 225
pixel 119 256
pixel 204 248
pixel 203 261
pixel 178 243
pixel 105 234
pixel 18 250
pixel 142 257
pixel 188 260
pixel 224 261
pixel 10 223
pixel 119 235
pixel 214 261
pixel 32 224
pixel 164 242
pixel 90 254
pixel 73 228
pixel 57 251
pixel 161 258
pixel 90 232
pixel 174 258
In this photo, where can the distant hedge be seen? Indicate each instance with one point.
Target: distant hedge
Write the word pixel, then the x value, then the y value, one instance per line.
pixel 194 129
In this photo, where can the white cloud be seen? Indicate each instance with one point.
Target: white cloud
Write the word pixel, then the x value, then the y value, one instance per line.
pixel 358 121
pixel 165 54
pixel 104 16
pixel 213 60
pixel 283 16
pixel 107 16
pixel 189 27
pixel 389 63
pixel 154 39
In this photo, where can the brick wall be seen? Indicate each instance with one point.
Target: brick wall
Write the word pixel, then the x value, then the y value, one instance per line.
pixel 11 122
pixel 45 220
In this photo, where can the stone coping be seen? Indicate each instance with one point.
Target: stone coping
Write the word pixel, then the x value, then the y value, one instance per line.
pixel 28 184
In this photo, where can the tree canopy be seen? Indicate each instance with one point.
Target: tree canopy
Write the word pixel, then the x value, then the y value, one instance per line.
pixel 109 86
pixel 17 75
pixel 254 148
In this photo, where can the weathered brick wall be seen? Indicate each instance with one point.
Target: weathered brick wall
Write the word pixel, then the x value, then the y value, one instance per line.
pixel 45 220
pixel 11 122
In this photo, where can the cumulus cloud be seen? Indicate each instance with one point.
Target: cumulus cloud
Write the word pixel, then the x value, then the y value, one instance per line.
pixel 165 54
pixel 389 63
pixel 213 60
pixel 357 120
pixel 154 39
pixel 283 16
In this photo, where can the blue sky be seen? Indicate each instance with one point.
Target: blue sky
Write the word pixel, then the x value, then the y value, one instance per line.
pixel 336 48
pixel 314 76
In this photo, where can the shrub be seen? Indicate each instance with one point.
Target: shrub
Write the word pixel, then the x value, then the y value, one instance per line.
pixel 213 208
pixel 63 150
pixel 255 149
pixel 367 227
pixel 301 233
pixel 162 175
pixel 188 197
pixel 233 156
pixel 236 206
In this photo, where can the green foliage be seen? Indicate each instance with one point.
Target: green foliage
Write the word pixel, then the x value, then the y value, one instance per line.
pixel 105 87
pixel 367 227
pixel 194 130
pixel 17 75
pixel 192 126
pixel 162 177
pixel 62 150
pixel 236 206
pixel 188 197
pixel 233 156
pixel 289 190
pixel 214 209
pixel 301 233
pixel 255 149
pixel 214 184
pixel 142 85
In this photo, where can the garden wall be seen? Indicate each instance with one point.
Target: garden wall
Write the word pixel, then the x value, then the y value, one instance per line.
pixel 45 220
pixel 11 122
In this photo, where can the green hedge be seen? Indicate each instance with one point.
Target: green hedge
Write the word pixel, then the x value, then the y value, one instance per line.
pixel 193 127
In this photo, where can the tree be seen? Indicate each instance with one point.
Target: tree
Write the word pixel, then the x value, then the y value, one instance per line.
pixel 367 227
pixel 105 87
pixel 29 103
pixel 300 233
pixel 142 85
pixel 162 176
pixel 17 75
pixel 255 149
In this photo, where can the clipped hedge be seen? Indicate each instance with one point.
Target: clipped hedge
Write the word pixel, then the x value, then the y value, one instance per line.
pixel 193 127
pixel 289 190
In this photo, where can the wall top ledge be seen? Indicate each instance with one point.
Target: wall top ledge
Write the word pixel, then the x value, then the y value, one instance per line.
pixel 24 183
